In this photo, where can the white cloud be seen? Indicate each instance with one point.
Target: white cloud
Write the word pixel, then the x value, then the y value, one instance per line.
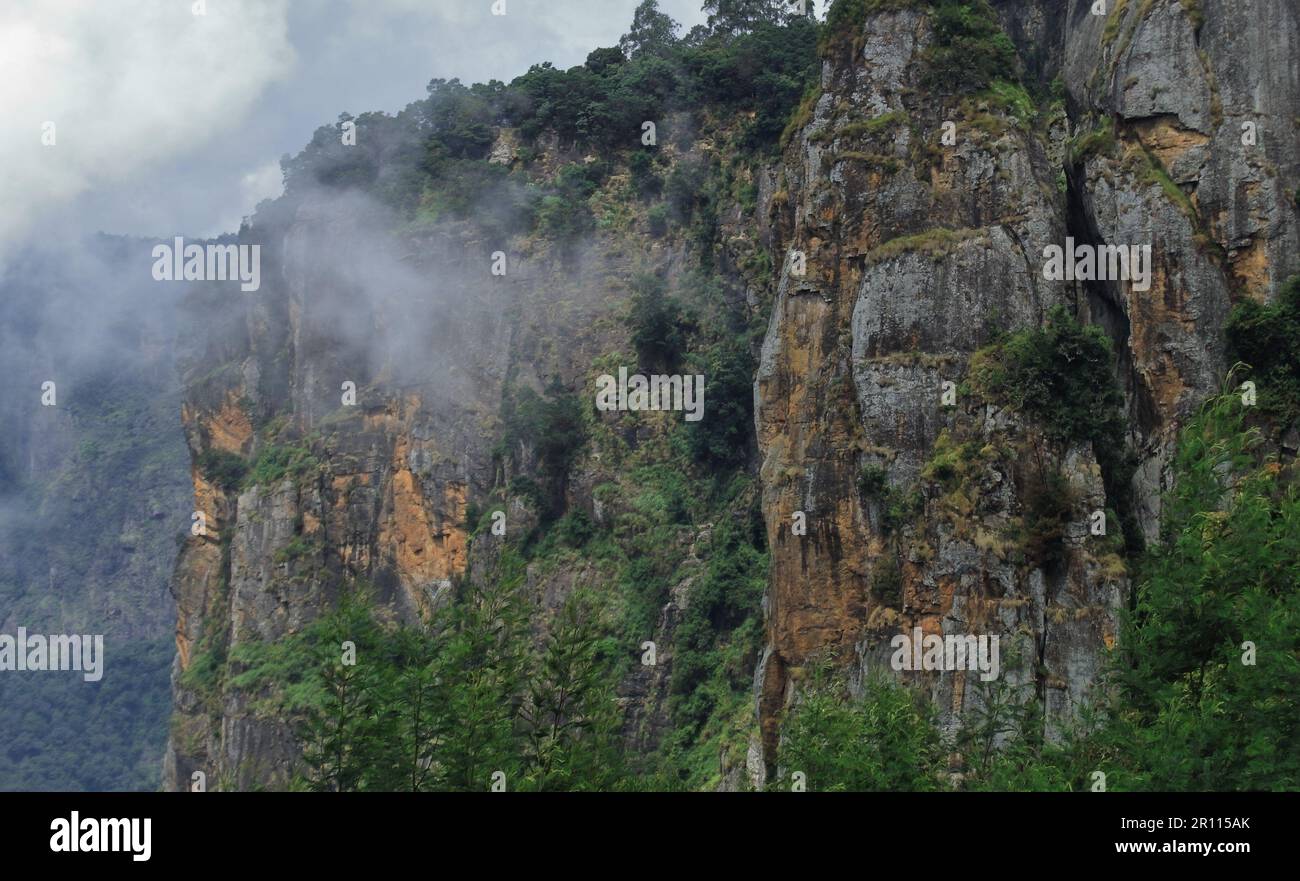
pixel 264 182
pixel 127 84
pixel 171 124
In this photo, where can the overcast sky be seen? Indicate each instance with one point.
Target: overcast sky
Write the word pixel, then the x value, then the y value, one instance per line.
pixel 170 123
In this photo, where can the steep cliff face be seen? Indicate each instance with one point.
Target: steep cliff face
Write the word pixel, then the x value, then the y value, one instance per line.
pixel 1197 155
pixel 382 486
pixel 918 252
pixel 897 243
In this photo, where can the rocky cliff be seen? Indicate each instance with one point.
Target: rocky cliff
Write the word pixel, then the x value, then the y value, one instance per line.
pixel 889 249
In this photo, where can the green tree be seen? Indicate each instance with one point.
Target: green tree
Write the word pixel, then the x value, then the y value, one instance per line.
pixel 342 730
pixel 570 719
pixel 970 50
pixel 482 666
pixel 415 707
pixel 652 32
pixel 884 742
pixel 743 16
pixel 550 428
pixel 1267 338
pixel 722 439
pixel 1197 713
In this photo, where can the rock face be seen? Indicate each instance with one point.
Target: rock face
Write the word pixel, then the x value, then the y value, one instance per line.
pixel 388 502
pixel 1201 99
pixel 910 228
pixel 916 254
pixel 426 336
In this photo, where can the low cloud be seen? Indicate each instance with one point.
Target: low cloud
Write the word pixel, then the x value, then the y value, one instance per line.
pixel 126 84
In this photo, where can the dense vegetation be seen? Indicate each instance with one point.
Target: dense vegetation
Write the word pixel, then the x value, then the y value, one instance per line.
pixel 448 705
pixel 430 160
pixel 62 733
pixel 970 50
pixel 93 494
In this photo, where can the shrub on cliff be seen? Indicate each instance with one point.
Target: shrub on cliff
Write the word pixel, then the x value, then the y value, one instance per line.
pixel 549 428
pixel 1267 338
pixel 970 50
pixel 722 439
pixel 223 469
pixel 1058 375
pixel 659 330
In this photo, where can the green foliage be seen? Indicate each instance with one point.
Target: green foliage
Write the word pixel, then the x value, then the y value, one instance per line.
pixel 726 599
pixel 887 581
pixel 897 506
pixel 645 179
pixel 461 119
pixel 659 330
pixel 297 547
pixel 486 193
pixel 276 462
pixel 564 213
pixel 570 719
pixel 1267 338
pixel 970 51
pixel 1099 141
pixel 1049 509
pixel 657 221
pixel 551 429
pixel 872 482
pixel 766 69
pixel 62 733
pixel 1059 375
pixel 742 16
pixel 801 116
pixel 722 439
pixel 222 469
pixel 685 189
pixel 652 33
pixel 445 706
pixel 574 529
pixel 884 742
pixel 1003 745
pixel 1012 99
pixel 1224 573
